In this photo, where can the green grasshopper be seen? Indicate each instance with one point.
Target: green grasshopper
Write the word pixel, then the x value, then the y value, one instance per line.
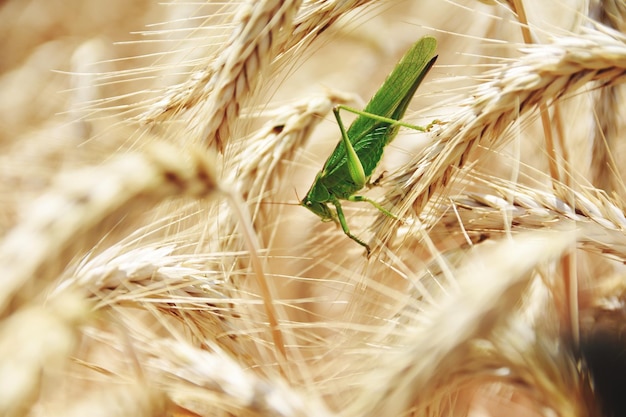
pixel 350 166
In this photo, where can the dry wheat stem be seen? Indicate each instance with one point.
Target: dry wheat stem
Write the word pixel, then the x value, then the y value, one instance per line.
pixel 85 205
pixel 543 75
pixel 250 238
pixel 519 9
pixel 611 13
pixel 606 137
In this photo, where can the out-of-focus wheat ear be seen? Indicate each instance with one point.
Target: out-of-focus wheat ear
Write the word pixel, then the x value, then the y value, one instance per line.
pixel 85 87
pixel 259 168
pixel 542 369
pixel 211 382
pixel 122 399
pixel 604 174
pixel 491 280
pixel 86 205
pixel 36 339
pixel 612 13
pixel 263 27
pixel 545 74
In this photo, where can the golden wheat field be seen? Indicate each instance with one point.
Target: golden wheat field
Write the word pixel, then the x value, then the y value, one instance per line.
pixel 155 261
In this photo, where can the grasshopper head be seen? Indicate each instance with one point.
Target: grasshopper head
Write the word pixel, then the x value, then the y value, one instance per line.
pixel 317 199
pixel 320 209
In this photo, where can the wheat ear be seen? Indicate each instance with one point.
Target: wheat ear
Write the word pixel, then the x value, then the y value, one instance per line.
pixel 209 381
pixel 600 222
pixel 317 16
pixel 87 204
pixel 545 74
pixel 266 32
pixel 34 339
pixel 215 93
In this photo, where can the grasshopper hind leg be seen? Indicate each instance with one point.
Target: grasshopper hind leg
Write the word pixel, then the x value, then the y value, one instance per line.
pixel 361 198
pixel 345 228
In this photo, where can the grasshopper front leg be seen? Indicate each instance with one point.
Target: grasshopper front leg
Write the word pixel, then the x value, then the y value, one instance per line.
pixel 345 228
pixel 383 119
